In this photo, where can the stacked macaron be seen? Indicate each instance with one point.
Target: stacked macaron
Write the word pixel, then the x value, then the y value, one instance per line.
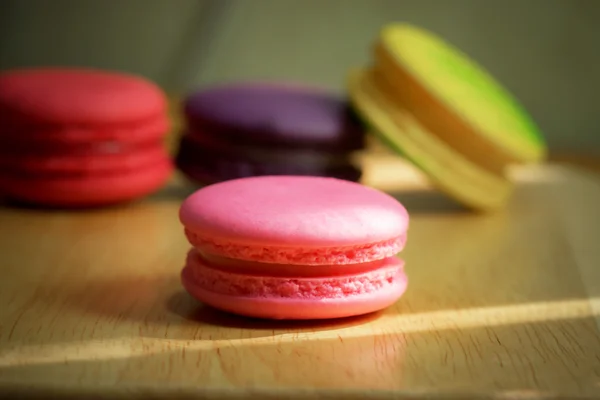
pixel 294 247
pixel 80 137
pixel 251 129
pixel 436 107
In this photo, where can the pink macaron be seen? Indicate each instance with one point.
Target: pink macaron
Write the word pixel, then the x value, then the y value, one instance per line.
pixel 294 247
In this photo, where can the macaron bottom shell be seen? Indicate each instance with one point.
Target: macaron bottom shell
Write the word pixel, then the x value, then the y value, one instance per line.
pixel 294 297
pixel 78 162
pixel 86 191
pixel 206 166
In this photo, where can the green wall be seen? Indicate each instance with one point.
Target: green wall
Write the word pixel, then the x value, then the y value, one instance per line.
pixel 546 51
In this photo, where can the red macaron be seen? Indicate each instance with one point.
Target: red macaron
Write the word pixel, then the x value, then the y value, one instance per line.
pixel 81 137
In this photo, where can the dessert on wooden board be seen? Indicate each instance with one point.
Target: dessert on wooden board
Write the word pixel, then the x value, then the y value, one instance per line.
pixel 248 129
pixel 294 247
pixel 437 108
pixel 81 137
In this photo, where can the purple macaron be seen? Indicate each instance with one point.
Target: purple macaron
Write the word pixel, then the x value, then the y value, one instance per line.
pixel 251 129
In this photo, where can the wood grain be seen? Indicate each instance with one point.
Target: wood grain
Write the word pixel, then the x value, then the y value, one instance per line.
pixel 503 305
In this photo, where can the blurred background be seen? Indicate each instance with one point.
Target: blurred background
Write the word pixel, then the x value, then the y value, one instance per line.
pixel 547 52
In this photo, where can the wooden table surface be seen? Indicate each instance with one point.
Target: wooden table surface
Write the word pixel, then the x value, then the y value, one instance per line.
pixel 503 305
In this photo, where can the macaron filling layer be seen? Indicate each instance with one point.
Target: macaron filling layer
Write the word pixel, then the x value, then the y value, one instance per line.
pixel 73 163
pixel 213 169
pixel 245 267
pixel 351 137
pixel 208 165
pixel 387 274
pixel 154 127
pixel 312 157
pixel 297 255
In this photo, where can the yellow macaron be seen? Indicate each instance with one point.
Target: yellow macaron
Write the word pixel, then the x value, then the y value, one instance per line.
pixel 438 108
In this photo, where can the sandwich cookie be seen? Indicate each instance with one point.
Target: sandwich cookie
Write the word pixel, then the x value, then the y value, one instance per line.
pixel 80 137
pixel 252 129
pixel 433 105
pixel 294 247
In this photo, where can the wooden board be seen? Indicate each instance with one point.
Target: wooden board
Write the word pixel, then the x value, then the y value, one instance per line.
pixel 498 305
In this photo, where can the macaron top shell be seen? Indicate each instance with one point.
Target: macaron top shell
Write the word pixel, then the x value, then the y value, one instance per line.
pixel 465 87
pixel 76 96
pixel 294 212
pixel 275 112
